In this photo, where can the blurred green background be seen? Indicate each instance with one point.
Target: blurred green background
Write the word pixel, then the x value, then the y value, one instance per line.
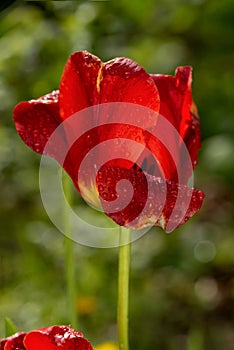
pixel 182 284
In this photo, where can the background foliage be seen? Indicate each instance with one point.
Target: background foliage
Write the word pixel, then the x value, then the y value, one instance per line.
pixel 182 285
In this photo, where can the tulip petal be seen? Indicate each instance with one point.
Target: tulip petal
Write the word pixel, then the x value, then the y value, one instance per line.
pixel 14 342
pixel 56 337
pixel 86 81
pixel 35 340
pixel 123 80
pixel 176 104
pixel 79 83
pixel 190 132
pixel 170 98
pixel 36 120
pixel 190 125
pixel 164 196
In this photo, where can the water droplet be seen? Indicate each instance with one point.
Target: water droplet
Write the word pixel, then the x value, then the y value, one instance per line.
pixel 37 147
pixel 44 131
pixel 88 140
pixel 104 195
pixel 100 188
pixel 195 197
pixel 137 138
pixel 127 75
pixel 109 180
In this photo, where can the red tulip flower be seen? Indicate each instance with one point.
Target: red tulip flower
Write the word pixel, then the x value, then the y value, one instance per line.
pixel 50 338
pixel 159 174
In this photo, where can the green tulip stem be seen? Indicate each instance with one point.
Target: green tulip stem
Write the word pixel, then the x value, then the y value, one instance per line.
pixel 123 288
pixel 69 257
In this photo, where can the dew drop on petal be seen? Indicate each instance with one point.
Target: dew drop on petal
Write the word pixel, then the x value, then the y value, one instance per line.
pixel 137 138
pixel 104 195
pixel 109 180
pixel 100 188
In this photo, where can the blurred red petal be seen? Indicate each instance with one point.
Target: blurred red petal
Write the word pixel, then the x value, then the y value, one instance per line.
pixel 133 209
pixel 2 343
pixel 56 337
pixel 15 342
pixel 36 120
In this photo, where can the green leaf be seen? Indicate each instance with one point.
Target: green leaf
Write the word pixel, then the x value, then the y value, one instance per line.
pixel 10 328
